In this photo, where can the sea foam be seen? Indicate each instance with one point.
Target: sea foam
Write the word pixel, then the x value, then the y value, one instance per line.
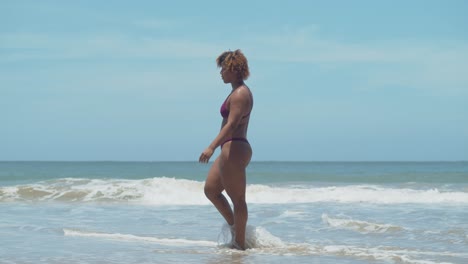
pixel 359 225
pixel 260 241
pixel 135 238
pixel 171 191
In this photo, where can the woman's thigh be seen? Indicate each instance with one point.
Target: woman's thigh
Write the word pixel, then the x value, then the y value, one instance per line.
pixel 213 183
pixel 235 156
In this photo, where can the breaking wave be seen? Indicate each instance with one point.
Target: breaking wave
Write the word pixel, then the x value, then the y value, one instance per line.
pixel 171 191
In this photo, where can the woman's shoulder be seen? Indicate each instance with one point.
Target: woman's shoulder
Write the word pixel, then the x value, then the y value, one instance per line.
pixel 242 96
pixel 242 92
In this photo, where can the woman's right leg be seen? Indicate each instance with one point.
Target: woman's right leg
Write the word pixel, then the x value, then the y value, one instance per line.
pixel 213 191
pixel 235 156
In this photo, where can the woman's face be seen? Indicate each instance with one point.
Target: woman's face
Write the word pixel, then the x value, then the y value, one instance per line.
pixel 227 75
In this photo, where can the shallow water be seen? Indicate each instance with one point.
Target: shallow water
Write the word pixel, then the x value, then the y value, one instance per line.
pixel 50 215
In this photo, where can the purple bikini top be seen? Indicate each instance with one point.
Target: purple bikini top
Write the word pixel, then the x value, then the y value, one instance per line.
pixel 225 112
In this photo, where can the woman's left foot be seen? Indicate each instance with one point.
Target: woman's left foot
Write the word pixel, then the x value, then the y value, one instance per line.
pixel 236 246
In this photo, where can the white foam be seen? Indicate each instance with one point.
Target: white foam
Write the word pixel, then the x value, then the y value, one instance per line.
pixel 133 238
pixel 352 194
pixel 380 254
pixel 260 241
pixel 386 254
pixel 170 191
pixel 255 237
pixel 292 214
pixel 358 225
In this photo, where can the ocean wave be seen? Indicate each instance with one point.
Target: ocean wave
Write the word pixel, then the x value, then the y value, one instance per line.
pixel 359 225
pixel 171 191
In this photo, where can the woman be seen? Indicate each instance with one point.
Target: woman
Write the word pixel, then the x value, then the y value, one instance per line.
pixel 228 170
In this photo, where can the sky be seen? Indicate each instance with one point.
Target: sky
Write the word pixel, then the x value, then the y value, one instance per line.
pixel 137 80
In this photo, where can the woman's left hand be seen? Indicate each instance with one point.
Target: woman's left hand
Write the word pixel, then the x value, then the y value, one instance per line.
pixel 206 155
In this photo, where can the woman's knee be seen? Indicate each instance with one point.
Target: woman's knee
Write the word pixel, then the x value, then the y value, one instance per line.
pixel 238 200
pixel 208 191
pixel 211 192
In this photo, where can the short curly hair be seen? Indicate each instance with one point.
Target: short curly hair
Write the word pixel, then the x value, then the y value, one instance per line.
pixel 234 61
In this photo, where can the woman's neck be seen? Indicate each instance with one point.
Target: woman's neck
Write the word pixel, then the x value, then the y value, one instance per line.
pixel 237 84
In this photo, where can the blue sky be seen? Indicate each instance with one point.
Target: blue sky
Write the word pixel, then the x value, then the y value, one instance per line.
pixel 332 80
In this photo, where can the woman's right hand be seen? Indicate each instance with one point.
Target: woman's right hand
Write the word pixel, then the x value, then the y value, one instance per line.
pixel 206 155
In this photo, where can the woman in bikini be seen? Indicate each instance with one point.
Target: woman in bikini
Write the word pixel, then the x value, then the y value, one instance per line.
pixel 228 170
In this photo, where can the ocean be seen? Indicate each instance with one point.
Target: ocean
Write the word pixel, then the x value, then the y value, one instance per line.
pixel 299 212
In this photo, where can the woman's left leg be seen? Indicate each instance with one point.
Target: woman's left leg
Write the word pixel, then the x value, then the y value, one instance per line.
pixel 213 191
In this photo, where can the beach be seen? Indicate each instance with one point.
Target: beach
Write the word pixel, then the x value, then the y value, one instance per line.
pixel 299 212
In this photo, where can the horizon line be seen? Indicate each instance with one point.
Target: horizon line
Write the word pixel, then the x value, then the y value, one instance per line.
pixel 272 161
